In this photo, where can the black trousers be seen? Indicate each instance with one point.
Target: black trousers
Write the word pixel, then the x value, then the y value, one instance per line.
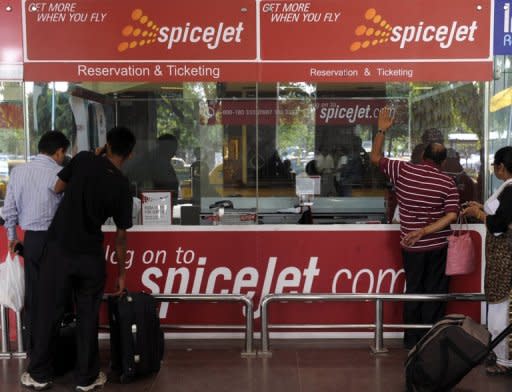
pixel 62 274
pixel 424 274
pixel 34 243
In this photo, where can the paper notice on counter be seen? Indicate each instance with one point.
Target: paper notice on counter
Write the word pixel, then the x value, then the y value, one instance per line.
pixel 156 208
pixel 307 185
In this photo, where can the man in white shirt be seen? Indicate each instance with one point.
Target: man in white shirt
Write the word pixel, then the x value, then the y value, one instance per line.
pixel 31 202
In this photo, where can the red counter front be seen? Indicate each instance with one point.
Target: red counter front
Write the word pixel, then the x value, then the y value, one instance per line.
pixel 257 260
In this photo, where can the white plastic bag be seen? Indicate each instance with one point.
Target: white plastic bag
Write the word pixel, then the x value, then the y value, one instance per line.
pixel 12 283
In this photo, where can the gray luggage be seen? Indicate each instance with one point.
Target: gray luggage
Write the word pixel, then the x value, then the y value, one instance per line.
pixel 454 346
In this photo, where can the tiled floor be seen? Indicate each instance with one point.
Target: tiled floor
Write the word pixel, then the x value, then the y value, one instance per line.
pixel 296 365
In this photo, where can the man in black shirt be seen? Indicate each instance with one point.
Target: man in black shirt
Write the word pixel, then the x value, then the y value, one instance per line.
pixel 95 189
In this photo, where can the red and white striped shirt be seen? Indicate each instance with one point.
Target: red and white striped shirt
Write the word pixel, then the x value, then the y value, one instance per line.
pixel 425 195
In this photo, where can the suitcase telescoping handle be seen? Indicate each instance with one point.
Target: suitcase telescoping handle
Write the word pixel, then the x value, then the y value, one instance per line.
pixel 507 331
pixel 134 329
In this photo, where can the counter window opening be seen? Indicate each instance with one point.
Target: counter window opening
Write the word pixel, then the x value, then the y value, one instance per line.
pixel 247 142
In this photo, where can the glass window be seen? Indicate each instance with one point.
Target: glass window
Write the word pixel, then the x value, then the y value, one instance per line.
pixel 12 138
pixel 74 112
pixel 247 143
pixel 500 117
pixel 453 113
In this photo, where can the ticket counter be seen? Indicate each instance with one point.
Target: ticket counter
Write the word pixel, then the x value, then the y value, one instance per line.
pixel 250 96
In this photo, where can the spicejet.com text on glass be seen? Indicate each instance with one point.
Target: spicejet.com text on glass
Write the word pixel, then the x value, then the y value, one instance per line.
pixel 351 113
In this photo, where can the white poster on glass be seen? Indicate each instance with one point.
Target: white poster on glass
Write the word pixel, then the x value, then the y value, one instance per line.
pixel 156 208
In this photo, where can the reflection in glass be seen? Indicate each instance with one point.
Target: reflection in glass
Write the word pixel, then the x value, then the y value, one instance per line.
pixel 248 142
pixel 12 138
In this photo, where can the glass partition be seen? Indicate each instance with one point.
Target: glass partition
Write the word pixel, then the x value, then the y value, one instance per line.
pixel 246 144
pixel 12 137
pixel 500 117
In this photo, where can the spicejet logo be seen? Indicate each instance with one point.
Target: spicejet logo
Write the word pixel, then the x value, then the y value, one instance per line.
pixel 141 31
pixel 380 32
pixel 377 32
pixel 144 31
pixel 211 36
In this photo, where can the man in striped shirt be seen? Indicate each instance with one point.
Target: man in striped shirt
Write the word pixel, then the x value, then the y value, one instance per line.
pixel 428 203
pixel 31 202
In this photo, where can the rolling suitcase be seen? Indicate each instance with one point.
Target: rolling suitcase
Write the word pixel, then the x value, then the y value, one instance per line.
pixel 454 346
pixel 136 339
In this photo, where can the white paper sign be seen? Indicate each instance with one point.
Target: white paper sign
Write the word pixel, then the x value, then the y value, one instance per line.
pixel 307 185
pixel 156 208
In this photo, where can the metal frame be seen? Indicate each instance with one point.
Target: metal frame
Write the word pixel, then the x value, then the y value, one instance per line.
pixel 379 299
pixel 378 326
pixel 4 325
pixel 246 301
pixel 20 353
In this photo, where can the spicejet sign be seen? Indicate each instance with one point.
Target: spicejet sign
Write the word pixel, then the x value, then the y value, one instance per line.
pixel 143 31
pixel 261 40
pixel 256 264
pixel 211 36
pixel 102 30
pixel 444 35
pixel 392 30
pixel 379 31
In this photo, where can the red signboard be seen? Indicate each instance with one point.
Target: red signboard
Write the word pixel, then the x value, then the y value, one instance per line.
pixel 259 72
pixel 11 52
pixel 10 32
pixel 365 72
pixel 257 262
pixel 133 30
pixel 330 30
pixel 140 72
pixel 246 40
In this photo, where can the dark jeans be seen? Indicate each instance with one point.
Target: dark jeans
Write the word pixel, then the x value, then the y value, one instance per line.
pixel 62 274
pixel 424 274
pixel 34 243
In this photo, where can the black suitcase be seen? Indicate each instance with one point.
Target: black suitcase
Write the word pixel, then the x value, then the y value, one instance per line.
pixel 136 339
pixel 454 346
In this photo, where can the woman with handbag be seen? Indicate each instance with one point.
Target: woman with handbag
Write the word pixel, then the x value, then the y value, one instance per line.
pixel 496 214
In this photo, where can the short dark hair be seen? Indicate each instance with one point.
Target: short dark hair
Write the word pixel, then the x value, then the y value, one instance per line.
pixel 417 153
pixel 121 141
pixel 435 152
pixel 504 155
pixel 167 143
pixel 432 135
pixel 51 141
